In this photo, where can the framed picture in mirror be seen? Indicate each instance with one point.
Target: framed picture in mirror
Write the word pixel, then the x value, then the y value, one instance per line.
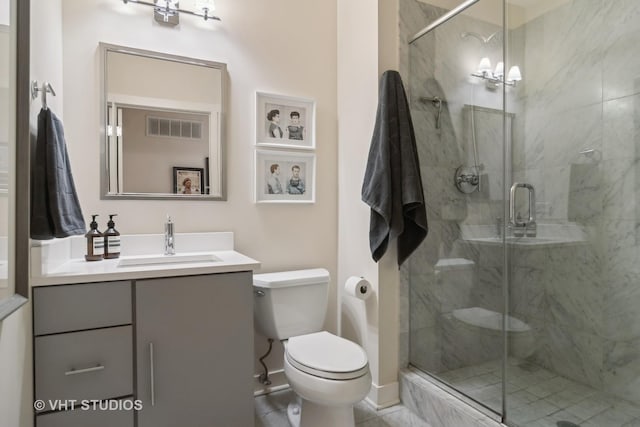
pixel 285 121
pixel 188 180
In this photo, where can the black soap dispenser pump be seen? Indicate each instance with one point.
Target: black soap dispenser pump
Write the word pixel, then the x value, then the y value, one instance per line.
pixel 95 242
pixel 111 239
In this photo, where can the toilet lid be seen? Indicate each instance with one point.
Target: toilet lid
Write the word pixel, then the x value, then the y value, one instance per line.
pixel 328 356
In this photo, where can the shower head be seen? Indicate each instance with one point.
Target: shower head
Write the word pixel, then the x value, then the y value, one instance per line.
pixel 484 40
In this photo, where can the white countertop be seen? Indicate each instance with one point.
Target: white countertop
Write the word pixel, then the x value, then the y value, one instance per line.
pixel 62 261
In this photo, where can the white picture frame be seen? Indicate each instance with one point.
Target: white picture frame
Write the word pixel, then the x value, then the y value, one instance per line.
pixel 285 121
pixel 284 176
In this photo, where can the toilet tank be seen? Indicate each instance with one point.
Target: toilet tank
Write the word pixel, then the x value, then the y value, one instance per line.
pixel 290 303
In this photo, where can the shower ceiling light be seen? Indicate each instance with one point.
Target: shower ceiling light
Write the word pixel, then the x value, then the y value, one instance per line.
pixel 496 78
pixel 168 11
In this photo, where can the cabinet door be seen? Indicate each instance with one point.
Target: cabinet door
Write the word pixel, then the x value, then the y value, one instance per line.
pixel 84 418
pixel 195 350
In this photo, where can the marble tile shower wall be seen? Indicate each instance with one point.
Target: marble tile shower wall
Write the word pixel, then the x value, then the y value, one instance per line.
pixel 581 91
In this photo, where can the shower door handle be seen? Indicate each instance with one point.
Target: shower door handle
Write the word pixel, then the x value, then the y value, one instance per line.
pixel 531 222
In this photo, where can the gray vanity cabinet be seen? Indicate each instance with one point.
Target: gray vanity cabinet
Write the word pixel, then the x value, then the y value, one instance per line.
pixel 194 350
pixel 83 352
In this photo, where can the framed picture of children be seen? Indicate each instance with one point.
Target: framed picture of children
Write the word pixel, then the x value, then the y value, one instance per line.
pixel 284 121
pixel 285 177
pixel 188 180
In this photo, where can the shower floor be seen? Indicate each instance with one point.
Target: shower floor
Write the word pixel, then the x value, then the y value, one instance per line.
pixel 537 397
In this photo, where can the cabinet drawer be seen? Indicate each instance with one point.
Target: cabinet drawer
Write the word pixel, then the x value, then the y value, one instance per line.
pixel 85 418
pixel 84 365
pixel 78 307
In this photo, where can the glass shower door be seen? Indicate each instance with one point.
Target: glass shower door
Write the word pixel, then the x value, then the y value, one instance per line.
pixel 456 278
pixel 576 285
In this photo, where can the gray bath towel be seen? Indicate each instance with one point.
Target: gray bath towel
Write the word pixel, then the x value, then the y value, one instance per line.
pixel 55 209
pixel 392 185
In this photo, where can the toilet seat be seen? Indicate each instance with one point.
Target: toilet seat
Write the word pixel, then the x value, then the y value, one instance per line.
pixel 325 355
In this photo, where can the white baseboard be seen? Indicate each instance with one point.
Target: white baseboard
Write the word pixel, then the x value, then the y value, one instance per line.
pixel 278 382
pixel 384 396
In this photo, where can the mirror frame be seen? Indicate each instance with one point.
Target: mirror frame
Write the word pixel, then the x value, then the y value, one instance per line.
pixel 105 48
pixel 22 166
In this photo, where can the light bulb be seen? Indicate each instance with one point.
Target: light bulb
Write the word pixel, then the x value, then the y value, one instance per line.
pixel 514 74
pixel 499 72
pixel 484 66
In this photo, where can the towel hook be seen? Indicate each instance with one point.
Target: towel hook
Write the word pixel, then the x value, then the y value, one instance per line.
pixel 46 88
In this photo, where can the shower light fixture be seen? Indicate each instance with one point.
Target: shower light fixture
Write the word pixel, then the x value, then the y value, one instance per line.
pixel 168 11
pixel 495 77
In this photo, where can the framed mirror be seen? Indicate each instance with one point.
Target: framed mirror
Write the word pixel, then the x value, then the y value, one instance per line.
pixel 14 155
pixel 162 125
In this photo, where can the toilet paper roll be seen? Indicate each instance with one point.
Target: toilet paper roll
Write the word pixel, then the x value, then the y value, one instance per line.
pixel 358 287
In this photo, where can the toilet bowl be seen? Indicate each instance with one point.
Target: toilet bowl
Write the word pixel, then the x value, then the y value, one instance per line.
pixel 478 320
pixel 329 373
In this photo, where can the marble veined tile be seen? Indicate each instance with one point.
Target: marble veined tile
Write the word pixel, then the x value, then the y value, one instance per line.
pixel 620 135
pixel 577 355
pixel 620 195
pixel 401 418
pixel 566 134
pixel 610 418
pixel 619 18
pixel 437 407
pixel 621 302
pixel 620 69
pixel 622 370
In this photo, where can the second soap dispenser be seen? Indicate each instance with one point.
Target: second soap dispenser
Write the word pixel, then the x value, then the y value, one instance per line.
pixel 111 239
pixel 95 242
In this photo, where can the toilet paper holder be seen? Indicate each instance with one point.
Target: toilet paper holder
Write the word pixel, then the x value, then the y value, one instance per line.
pixel 358 287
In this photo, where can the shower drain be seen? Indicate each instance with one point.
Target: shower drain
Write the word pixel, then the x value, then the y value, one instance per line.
pixel 566 424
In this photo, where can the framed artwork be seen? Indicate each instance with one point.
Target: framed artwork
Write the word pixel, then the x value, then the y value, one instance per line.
pixel 285 122
pixel 285 177
pixel 188 180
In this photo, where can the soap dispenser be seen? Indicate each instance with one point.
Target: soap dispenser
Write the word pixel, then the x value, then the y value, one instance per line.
pixel 111 239
pixel 95 242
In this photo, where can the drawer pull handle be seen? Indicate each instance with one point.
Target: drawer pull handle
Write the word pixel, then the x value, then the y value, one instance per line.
pixel 84 371
pixel 153 385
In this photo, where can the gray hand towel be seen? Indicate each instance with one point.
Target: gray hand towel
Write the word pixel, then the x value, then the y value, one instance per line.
pixel 392 185
pixel 55 209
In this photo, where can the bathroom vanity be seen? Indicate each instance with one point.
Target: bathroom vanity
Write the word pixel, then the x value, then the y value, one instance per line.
pixel 162 344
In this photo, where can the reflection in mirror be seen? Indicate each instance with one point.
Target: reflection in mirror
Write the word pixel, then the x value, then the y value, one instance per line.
pixel 162 113
pixel 14 155
pixel 7 119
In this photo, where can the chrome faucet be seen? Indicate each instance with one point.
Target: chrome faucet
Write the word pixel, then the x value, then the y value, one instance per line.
pixel 169 239
pixel 519 226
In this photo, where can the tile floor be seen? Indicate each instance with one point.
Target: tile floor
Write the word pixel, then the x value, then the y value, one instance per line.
pixel 271 411
pixel 537 397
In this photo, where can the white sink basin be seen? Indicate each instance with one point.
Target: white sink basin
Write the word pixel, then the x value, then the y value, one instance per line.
pixel 130 261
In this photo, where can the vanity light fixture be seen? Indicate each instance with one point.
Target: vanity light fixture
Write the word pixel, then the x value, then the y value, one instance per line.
pixel 168 11
pixel 495 77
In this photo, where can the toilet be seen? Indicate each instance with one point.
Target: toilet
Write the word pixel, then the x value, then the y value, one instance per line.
pixel 329 373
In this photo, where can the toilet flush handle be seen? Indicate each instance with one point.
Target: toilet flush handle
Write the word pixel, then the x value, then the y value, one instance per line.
pixel 259 293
